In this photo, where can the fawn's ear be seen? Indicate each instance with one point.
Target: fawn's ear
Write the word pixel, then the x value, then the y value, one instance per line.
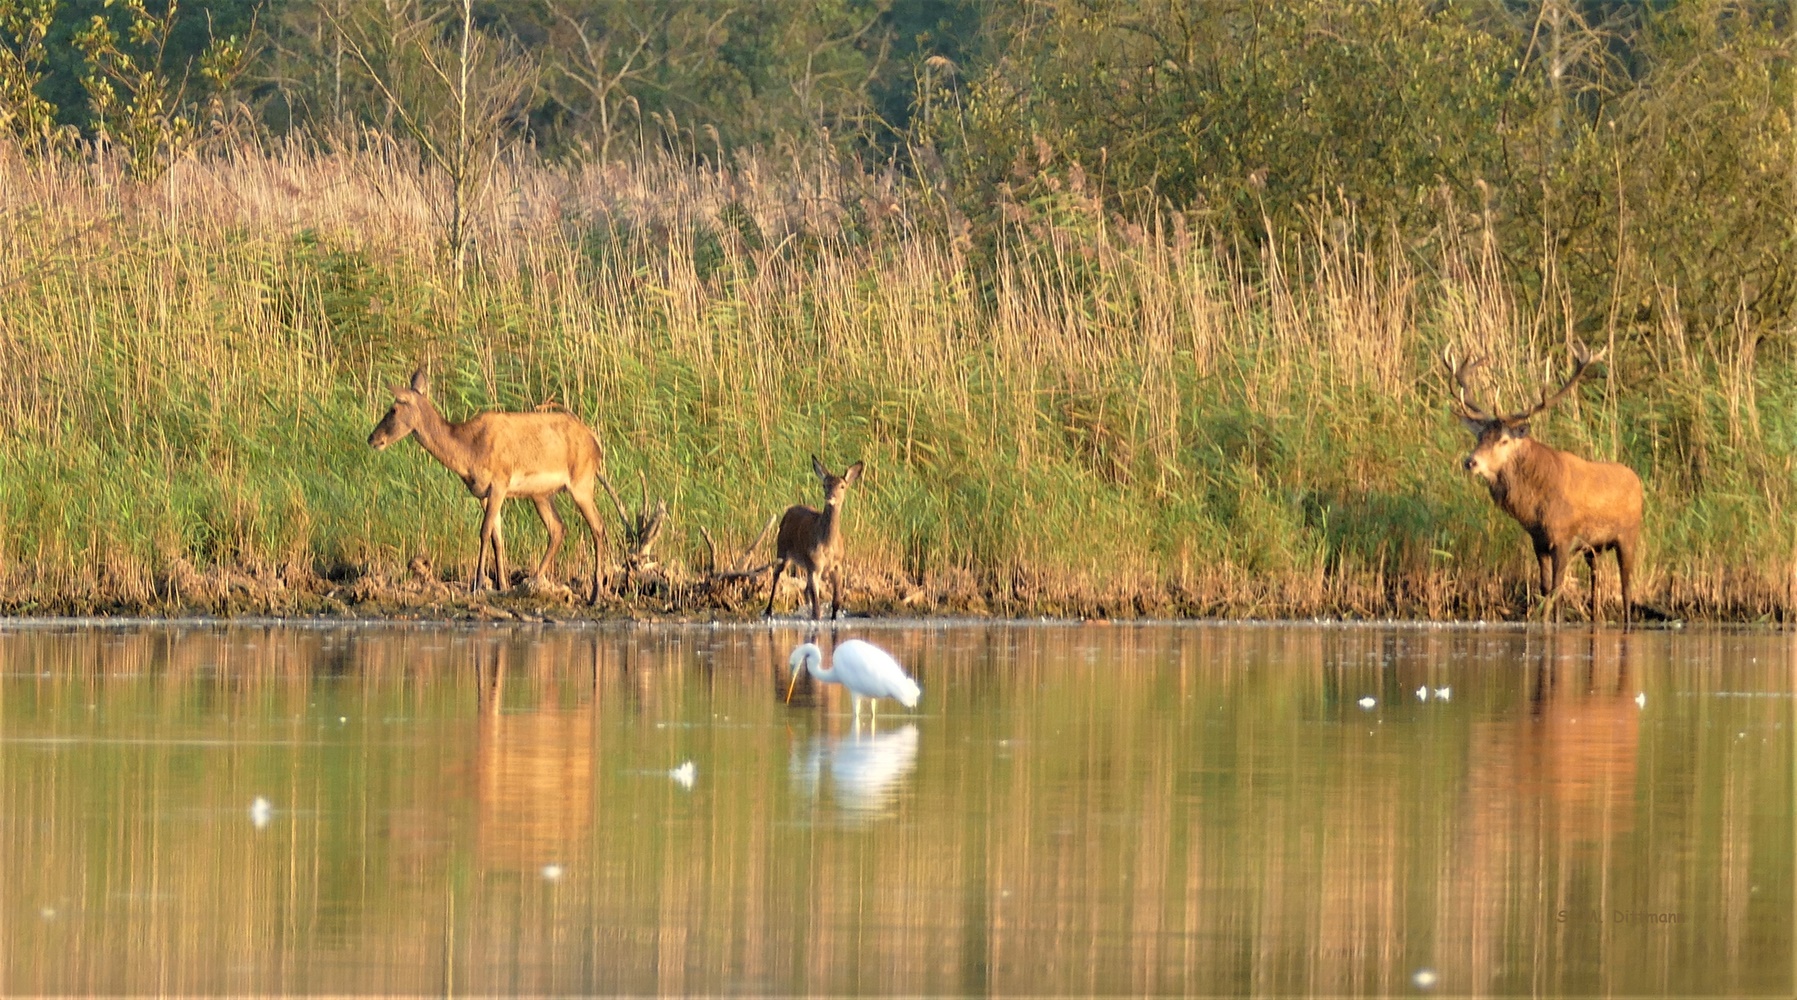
pixel 852 474
pixel 421 383
pixel 818 470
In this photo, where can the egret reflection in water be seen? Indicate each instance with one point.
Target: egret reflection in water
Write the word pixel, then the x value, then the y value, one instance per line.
pixel 866 770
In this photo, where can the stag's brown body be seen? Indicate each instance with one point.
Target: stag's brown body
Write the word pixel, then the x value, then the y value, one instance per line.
pixel 812 540
pixel 498 456
pixel 1567 504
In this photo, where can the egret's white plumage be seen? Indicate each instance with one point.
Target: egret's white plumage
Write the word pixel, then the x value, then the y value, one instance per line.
pixel 868 672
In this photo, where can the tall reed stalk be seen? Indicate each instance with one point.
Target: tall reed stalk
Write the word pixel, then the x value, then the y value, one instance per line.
pixel 1084 416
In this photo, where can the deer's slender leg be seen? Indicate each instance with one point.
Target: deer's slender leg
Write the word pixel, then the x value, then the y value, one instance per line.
pixel 811 592
pixel 489 537
pixel 589 512
pixel 773 587
pixel 553 525
pixel 835 592
pixel 496 531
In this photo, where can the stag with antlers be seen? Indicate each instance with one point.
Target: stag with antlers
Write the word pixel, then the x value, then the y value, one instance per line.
pixel 1567 504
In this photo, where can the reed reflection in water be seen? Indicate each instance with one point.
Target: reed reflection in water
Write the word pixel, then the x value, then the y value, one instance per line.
pixel 1141 809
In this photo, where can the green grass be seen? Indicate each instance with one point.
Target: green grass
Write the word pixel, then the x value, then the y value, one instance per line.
pixel 1073 423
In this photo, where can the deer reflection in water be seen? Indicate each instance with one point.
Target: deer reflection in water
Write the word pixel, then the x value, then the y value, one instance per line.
pixel 1575 753
pixel 866 771
pixel 534 780
pixel 1549 792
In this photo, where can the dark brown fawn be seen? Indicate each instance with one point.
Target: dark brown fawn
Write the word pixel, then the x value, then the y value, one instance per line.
pixel 1567 504
pixel 532 456
pixel 812 540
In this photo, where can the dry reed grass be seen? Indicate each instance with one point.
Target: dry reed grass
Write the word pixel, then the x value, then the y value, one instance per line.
pixel 1082 417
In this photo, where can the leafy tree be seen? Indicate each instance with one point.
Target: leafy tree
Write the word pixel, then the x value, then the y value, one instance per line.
pixel 136 97
pixel 24 113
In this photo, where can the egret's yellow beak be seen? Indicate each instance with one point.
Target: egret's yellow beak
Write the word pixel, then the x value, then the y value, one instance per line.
pixel 789 687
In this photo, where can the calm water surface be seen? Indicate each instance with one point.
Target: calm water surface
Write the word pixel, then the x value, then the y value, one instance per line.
pixel 1199 809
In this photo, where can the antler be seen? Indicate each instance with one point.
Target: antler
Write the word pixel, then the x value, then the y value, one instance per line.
pixel 1582 359
pixel 1468 410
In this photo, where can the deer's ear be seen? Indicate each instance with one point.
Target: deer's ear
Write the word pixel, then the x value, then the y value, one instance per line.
pixel 1474 425
pixel 421 383
pixel 853 473
pixel 397 391
pixel 818 470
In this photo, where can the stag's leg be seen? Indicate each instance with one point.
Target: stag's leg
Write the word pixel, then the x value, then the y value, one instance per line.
pixel 1625 571
pixel 1591 564
pixel 1559 574
pixel 589 512
pixel 835 592
pixel 773 587
pixel 553 525
pixel 811 592
pixel 1544 560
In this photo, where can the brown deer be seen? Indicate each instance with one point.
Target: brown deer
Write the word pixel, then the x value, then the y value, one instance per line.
pixel 812 540
pixel 499 455
pixel 1565 503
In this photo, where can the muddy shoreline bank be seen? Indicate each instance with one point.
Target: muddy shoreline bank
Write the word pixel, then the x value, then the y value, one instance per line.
pixel 420 593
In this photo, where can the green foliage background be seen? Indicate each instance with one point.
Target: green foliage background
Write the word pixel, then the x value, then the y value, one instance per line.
pixel 1620 173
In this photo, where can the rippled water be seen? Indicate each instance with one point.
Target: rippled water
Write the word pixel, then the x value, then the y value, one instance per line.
pixel 1199 809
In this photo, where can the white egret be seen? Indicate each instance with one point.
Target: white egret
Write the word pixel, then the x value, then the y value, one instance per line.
pixel 868 671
